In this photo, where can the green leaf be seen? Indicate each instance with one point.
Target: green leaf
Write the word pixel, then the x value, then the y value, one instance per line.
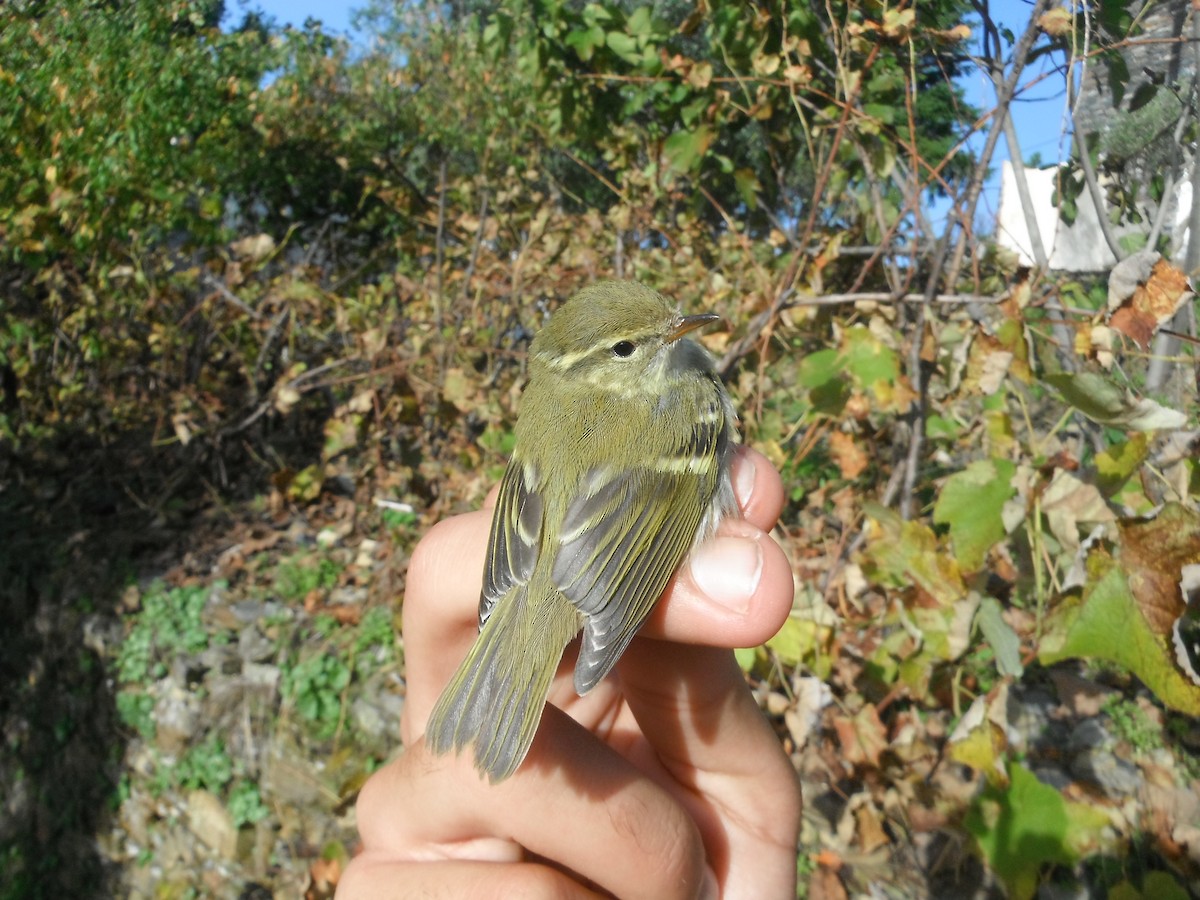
pixel 1000 637
pixel 1116 464
pixel 868 358
pixel 795 640
pixel 585 41
pixel 819 368
pixel 639 24
pixel 1103 401
pixel 685 149
pixel 1118 76
pixel 624 46
pixel 883 112
pixel 747 185
pixel 1155 886
pixel 1106 623
pixel 902 553
pixel 1028 824
pixel 1142 96
pixel 596 12
pixel 970 503
pixel 940 427
pixel 746 657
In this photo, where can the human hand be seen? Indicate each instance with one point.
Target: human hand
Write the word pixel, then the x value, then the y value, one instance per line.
pixel 665 781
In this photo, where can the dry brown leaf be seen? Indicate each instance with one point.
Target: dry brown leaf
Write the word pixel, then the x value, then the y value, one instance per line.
pixel 255 248
pixel 824 884
pixel 1018 295
pixel 1153 303
pixel 987 364
pixel 869 828
pixel 1153 555
pixel 850 457
pixel 862 736
pixel 858 406
pixel 253 545
pixel 324 875
pixel 1067 501
pixel 929 345
pixel 1057 22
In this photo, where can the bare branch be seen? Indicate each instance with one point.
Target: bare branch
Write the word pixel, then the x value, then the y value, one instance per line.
pixel 229 296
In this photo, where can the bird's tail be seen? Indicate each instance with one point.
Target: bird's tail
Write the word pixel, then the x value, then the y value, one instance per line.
pixel 495 699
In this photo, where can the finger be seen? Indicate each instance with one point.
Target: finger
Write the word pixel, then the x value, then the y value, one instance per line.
pixel 716 750
pixel 372 876
pixel 574 801
pixel 441 600
pixel 758 487
pixel 734 590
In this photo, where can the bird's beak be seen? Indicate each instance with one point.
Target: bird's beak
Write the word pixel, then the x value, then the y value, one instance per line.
pixel 690 323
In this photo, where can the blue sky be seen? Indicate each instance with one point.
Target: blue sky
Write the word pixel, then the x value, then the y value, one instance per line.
pixel 335 16
pixel 1038 115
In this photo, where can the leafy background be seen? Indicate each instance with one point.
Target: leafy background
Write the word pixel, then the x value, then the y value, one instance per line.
pixel 266 301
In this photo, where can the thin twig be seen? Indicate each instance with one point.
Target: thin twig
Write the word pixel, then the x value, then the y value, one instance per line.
pixel 964 214
pixel 880 297
pixel 475 247
pixel 1165 345
pixel 1093 186
pixel 230 297
pixel 439 252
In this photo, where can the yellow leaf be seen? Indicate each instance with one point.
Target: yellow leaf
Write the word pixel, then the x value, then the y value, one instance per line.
pixel 1057 22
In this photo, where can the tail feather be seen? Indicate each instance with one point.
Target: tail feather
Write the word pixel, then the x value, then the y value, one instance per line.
pixel 494 701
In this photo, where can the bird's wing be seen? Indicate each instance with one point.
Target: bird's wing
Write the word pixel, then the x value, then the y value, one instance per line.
pixel 622 538
pixel 515 535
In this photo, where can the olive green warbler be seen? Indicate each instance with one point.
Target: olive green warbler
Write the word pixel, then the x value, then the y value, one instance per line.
pixel 621 464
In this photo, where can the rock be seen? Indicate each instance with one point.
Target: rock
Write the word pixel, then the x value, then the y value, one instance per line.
pixel 1093 761
pixel 1116 777
pixel 102 633
pixel 260 676
pixel 365 557
pixel 254 646
pixel 219 658
pixel 1029 715
pixel 292 778
pixel 1053 776
pixel 176 716
pixel 1082 696
pixel 378 717
pixel 210 821
pixel 348 595
pixel 247 611
pixel 1090 734
pixel 134 818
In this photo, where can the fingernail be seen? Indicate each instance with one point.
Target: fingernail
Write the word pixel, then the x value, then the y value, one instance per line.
pixel 727 570
pixel 743 480
pixel 709 889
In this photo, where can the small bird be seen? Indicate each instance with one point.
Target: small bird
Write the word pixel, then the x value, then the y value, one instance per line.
pixel 621 464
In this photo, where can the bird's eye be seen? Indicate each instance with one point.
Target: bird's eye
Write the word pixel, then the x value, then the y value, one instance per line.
pixel 623 349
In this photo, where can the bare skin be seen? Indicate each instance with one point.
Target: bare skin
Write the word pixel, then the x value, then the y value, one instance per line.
pixel 665 781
